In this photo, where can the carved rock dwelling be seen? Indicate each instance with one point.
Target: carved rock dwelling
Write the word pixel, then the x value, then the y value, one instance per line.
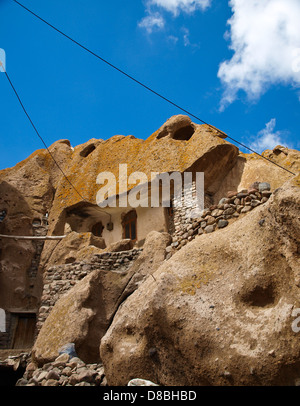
pixel 85 265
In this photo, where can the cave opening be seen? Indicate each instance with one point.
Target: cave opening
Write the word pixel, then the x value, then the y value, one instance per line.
pixel 87 150
pixel 184 133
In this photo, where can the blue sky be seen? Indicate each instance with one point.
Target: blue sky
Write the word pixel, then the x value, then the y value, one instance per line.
pixel 235 64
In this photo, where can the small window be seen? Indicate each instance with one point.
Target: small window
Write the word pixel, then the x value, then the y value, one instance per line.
pixel 2 215
pixel 97 229
pixel 36 222
pixel 130 225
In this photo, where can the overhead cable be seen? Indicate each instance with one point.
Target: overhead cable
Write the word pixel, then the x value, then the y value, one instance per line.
pixel 44 143
pixel 223 134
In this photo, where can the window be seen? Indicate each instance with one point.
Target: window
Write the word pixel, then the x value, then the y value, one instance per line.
pixel 36 222
pixel 129 225
pixel 97 229
pixel 2 215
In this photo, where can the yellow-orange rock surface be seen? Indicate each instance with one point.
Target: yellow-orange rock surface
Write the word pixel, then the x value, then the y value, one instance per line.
pixel 220 311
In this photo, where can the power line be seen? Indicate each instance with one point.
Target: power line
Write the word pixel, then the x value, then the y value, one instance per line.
pixel 41 138
pixel 148 88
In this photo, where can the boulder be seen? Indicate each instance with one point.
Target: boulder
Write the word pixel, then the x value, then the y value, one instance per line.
pixel 173 125
pixel 122 245
pixel 75 247
pixel 264 186
pixel 220 311
pixel 152 256
pixel 81 316
pixel 84 313
pixel 140 382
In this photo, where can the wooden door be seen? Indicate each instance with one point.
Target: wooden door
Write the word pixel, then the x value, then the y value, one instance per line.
pixel 24 332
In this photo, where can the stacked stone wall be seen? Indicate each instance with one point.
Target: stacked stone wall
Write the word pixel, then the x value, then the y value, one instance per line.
pixel 215 217
pixel 58 279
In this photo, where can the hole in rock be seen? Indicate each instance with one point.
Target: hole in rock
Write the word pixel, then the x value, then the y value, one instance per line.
pixel 184 133
pixel 260 296
pixel 70 260
pixel 87 150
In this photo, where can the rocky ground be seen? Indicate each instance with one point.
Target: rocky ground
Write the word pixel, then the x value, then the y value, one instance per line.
pixel 64 371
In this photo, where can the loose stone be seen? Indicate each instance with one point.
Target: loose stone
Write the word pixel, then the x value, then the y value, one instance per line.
pixel 222 223
pixel 246 209
pixel 264 186
pixel 231 194
pixel 210 220
pixel 255 203
pixel 210 228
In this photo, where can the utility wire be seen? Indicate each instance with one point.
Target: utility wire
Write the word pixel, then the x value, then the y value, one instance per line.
pixel 148 88
pixel 41 138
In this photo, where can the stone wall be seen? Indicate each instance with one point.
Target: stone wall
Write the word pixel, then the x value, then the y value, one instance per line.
pixel 216 216
pixel 60 278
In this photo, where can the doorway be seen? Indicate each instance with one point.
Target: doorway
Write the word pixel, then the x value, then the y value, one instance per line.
pixel 24 331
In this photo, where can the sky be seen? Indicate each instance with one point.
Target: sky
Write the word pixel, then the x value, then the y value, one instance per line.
pixel 234 64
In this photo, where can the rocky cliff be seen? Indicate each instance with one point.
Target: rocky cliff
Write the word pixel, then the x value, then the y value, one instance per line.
pixel 217 311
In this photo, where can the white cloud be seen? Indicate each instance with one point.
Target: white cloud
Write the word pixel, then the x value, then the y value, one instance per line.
pixel 152 21
pixel 264 35
pixel 268 138
pixel 172 39
pixel 176 6
pixel 186 38
pixel 155 8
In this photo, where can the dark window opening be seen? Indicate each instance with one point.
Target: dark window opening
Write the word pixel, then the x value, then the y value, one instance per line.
pixel 36 222
pixel 97 229
pixel 130 225
pixel 87 150
pixel 184 133
pixel 2 215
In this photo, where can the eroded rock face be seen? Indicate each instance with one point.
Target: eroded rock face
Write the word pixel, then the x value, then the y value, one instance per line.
pixel 81 316
pixel 178 151
pixel 26 194
pixel 250 168
pixel 84 313
pixel 207 315
pixel 220 311
pixel 75 246
pixel 153 255
pixel 122 245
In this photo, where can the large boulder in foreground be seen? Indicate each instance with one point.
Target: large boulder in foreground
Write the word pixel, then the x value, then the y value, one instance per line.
pixel 81 316
pixel 220 311
pixel 84 313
